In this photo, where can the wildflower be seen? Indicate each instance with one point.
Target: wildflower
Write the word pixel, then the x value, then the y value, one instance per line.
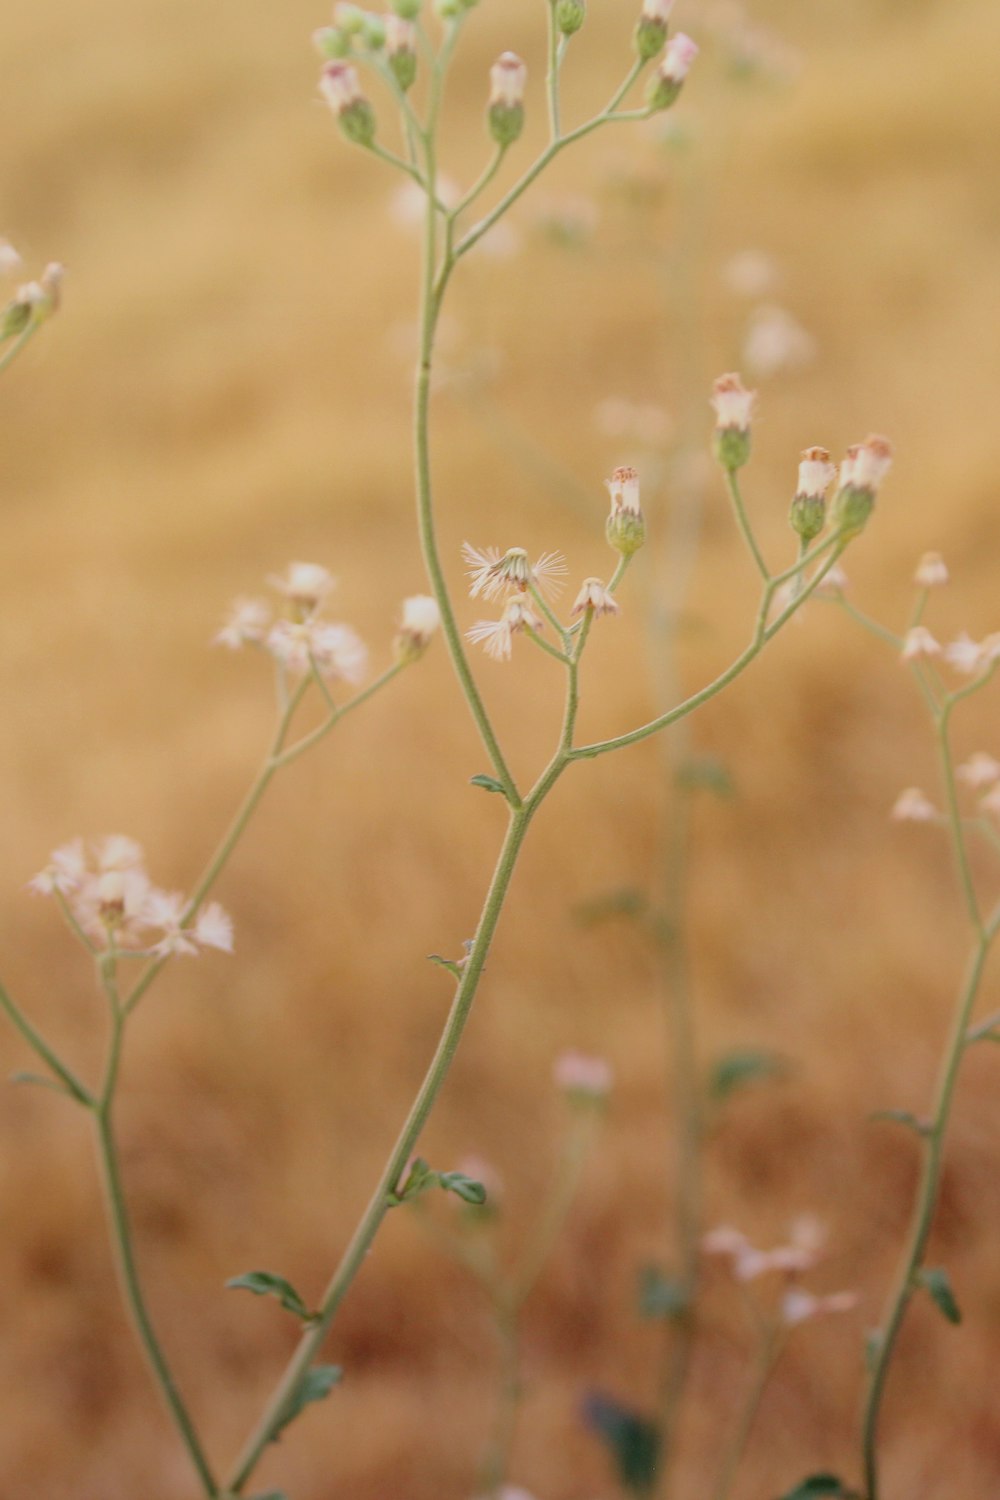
pixel 651 27
pixel 212 927
pixel 861 473
pixel 980 770
pixel 65 871
pixel 494 573
pixel 931 572
pixel 803 1249
pixel 626 525
pixel 595 596
pixel 733 405
pixel 799 1306
pixel 10 261
pixel 340 88
pixel 913 806
pixel 583 1079
pixel 776 341
pixel 505 114
pixel 919 642
pixel 570 15
pixel 832 584
pixel 420 619
pixel 668 80
pixel 336 651
pixel 246 625
pixel 750 273
pixel 816 474
pixel 497 635
pixel 305 586
pixel 401 50
pixel 964 654
pixel 33 302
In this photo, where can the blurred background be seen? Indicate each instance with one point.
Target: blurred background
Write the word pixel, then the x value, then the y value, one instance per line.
pixel 227 389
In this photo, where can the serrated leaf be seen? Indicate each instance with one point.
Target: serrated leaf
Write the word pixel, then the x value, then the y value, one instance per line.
pixel 707 773
pixel 466 1188
pixel 938 1283
pixel 735 1070
pixel 266 1284
pixel 903 1117
pixel 316 1386
pixel 819 1484
pixel 633 1439
pixel 488 784
pixel 661 1296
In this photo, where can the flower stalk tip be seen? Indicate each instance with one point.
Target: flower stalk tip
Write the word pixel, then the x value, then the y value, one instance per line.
pixel 342 91
pixel 626 526
pixel 668 80
pixel 505 114
pixel 733 405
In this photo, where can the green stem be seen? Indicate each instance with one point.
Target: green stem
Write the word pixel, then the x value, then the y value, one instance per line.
pixel 496 1460
pixel 20 343
pixel 353 1256
pixel 767 1357
pixel 746 530
pixel 552 75
pixel 52 1061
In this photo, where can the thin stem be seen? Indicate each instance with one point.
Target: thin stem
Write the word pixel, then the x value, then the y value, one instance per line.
pixel 20 343
pixel 479 186
pixel 555 1210
pixel 956 821
pixel 746 530
pixel 336 714
pixel 867 623
pixel 552 75
pixel 543 645
pixel 496 1461
pixel 767 1357
pixel 354 1255
pixel 49 1057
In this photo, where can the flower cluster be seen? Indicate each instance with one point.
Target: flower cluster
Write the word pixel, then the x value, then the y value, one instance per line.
pixel 107 893
pixel 980 773
pixel 301 641
pixel 802 1251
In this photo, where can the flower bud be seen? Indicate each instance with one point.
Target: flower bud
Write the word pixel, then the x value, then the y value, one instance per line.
pixel 932 571
pixel 420 619
pixel 733 405
pixel 816 474
pixel 861 473
pixel 350 18
pixel 331 42
pixel 340 88
pixel 505 115
pixel 626 525
pixel 584 1080
pixel 409 10
pixel 401 50
pixel 595 596
pixel 668 80
pixel 570 15
pixel 651 28
pixel 373 31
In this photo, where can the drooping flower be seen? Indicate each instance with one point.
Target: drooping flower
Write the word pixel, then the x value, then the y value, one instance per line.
pixel 246 624
pixel 495 574
pixel 496 636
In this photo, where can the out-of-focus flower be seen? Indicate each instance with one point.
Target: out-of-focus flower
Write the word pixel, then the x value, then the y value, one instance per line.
pixel 969 656
pixel 980 770
pixel 733 405
pixel 505 114
pixel 10 261
pixel 626 525
pixel 246 625
pixel 816 474
pixel 861 473
pixel 913 806
pixel 750 273
pixel 341 88
pixel 304 585
pixel 917 643
pixel 494 573
pixel 775 341
pixel 337 651
pixel 668 80
pixel 931 572
pixel 581 1076
pixel 799 1306
pixel 833 582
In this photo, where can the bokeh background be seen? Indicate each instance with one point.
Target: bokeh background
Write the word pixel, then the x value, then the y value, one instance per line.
pixel 226 389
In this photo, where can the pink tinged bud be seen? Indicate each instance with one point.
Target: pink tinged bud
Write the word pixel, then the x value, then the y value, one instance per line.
pixel 872 460
pixel 341 89
pixel 913 806
pixel 980 770
pixel 816 474
pixel 595 596
pixel 861 473
pixel 931 571
pixel 508 78
pixel 626 525
pixel 733 405
pixel 583 1077
pixel 680 54
pixel 919 642
pixel 400 36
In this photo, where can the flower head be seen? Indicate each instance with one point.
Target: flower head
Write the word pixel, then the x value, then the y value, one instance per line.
pixel 980 770
pixel 965 654
pixel 932 571
pixel 733 405
pixel 861 473
pixel 505 112
pixel 420 619
pixel 595 596
pixel 304 585
pixel 913 806
pixel 583 1078
pixel 626 525
pixel 246 624
pixel 341 88
pixel 816 474
pixel 337 651
pixel 668 80
pixel 918 642
pixel 496 636
pixel 800 1306
pixel 495 574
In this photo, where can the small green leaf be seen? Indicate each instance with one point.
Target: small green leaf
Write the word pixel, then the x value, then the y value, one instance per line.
pixel 466 1188
pixel 820 1484
pixel 707 773
pixel 488 784
pixel 451 964
pixel 266 1284
pixel 904 1117
pixel 735 1070
pixel 316 1385
pixel 938 1283
pixel 661 1296
pixel 417 1180
pixel 633 1439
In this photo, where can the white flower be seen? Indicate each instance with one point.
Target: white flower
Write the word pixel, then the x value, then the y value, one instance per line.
pixel 578 1074
pixel 212 927
pixel 816 474
pixel 931 571
pixel 420 619
pixel 964 654
pixel 866 464
pixel 913 806
pixel 496 636
pixel 65 871
pixel 10 261
pixel 980 770
pixel 680 53
pixel 494 574
pixel 595 595
pixel 508 78
pixel 305 585
pixel 919 642
pixel 657 10
pixel 833 582
pixel 733 403
pixel 623 487
pixel 798 1306
pixel 337 651
pixel 340 86
pixel 246 624
pixel 750 273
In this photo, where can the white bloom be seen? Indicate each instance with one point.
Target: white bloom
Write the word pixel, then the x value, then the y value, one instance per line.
pixel 337 650
pixel 964 654
pixel 776 341
pixel 980 770
pixel 816 474
pixel 919 642
pixel 10 261
pixel 866 464
pixel 420 619
pixel 833 582
pixel 508 78
pixel 340 86
pixel 750 273
pixel 623 487
pixel 680 53
pixel 247 623
pixel 65 871
pixel 305 585
pixel 733 403
pixel 931 571
pixel 576 1073
pixel 798 1306
pixel 913 806
pixel 212 927
pixel 596 596
pixel 657 10
pixel 496 636
pixel 494 574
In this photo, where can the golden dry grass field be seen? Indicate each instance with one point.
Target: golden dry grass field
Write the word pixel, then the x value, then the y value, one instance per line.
pixel 227 388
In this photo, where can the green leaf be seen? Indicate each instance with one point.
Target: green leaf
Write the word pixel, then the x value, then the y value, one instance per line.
pixel 488 784
pixel 820 1484
pixel 903 1117
pixel 451 964
pixel 266 1284
pixel 661 1296
pixel 707 773
pixel 466 1188
pixel 316 1386
pixel 734 1070
pixel 938 1283
pixel 418 1179
pixel 633 1439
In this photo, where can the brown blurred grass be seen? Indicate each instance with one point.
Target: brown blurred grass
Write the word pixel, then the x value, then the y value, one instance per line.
pixel 223 392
